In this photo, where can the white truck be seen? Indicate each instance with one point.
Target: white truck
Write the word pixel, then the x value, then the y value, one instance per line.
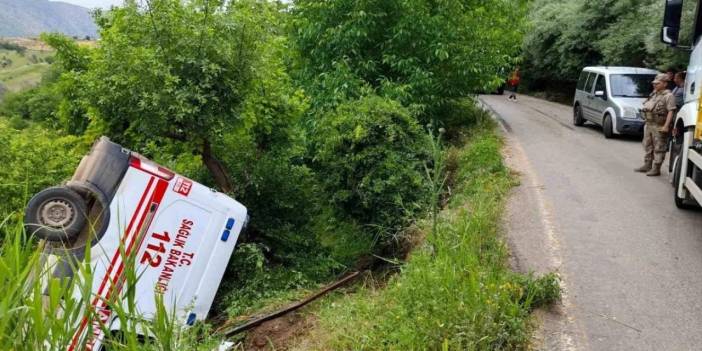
pixel 134 217
pixel 686 147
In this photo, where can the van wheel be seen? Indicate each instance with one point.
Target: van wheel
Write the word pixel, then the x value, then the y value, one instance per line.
pixel 607 127
pixel 578 119
pixel 680 203
pixel 55 214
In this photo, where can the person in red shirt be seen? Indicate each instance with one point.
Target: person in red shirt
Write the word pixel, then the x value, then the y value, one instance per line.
pixel 513 83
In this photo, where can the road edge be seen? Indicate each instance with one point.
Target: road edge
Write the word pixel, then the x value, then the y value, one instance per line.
pixel 569 335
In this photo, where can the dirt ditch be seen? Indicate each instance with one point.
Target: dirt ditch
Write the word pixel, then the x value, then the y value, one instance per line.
pixel 279 334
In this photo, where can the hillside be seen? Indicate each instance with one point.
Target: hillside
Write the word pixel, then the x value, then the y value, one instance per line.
pixel 20 71
pixel 22 18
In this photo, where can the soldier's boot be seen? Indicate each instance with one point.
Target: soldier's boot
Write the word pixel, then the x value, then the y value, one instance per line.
pixel 645 168
pixel 655 170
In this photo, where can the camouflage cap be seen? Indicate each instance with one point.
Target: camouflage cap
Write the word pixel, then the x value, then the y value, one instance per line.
pixel 661 77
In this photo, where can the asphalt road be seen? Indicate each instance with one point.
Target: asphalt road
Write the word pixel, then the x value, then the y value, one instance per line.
pixel 630 260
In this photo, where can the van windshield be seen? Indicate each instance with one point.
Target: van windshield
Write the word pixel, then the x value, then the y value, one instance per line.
pixel 631 85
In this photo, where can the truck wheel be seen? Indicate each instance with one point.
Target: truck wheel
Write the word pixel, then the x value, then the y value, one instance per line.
pixel 92 195
pixel 578 119
pixel 673 154
pixel 55 214
pixel 607 127
pixel 675 146
pixel 680 203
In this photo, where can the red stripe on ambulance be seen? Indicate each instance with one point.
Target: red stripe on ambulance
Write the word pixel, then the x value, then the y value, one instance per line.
pixel 100 303
pixel 116 288
pixel 113 262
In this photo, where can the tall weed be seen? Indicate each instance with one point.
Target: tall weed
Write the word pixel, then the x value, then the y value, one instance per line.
pixel 38 312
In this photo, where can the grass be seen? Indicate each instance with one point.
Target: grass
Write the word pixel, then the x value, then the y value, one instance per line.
pixel 22 71
pixel 456 291
pixel 39 313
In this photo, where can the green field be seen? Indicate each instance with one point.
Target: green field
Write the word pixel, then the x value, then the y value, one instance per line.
pixel 22 71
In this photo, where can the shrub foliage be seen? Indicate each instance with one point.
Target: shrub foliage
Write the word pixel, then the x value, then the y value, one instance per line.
pixel 566 36
pixel 370 153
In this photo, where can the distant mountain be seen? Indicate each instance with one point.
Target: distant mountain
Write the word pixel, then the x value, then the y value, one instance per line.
pixel 24 18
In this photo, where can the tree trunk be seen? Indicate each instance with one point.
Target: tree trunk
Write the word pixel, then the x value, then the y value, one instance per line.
pixel 216 168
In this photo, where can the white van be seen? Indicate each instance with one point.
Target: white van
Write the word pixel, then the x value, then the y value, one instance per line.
pixel 181 235
pixel 612 97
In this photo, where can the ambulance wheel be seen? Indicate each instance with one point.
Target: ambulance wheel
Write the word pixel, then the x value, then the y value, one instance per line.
pixel 93 195
pixel 55 214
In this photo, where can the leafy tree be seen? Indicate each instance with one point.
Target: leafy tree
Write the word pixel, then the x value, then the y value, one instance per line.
pixel 377 70
pixel 175 71
pixel 568 35
pixel 420 52
pixel 71 56
pixel 66 85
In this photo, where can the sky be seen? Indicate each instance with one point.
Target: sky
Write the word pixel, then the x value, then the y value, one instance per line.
pixel 93 3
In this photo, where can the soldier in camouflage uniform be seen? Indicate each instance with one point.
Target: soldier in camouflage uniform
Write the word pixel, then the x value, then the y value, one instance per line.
pixel 658 109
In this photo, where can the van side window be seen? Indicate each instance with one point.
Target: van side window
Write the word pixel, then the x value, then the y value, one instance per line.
pixel 601 85
pixel 590 82
pixel 582 80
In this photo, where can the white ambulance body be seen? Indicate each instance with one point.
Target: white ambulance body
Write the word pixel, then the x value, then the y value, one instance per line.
pixel 178 233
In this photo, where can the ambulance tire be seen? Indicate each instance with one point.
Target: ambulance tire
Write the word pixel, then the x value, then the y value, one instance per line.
pixel 91 192
pixel 55 214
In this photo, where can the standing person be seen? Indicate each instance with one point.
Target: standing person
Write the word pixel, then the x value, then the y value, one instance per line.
pixel 679 94
pixel 658 109
pixel 670 73
pixel 679 90
pixel 513 83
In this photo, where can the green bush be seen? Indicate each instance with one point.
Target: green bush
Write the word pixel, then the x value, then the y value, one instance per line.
pixel 369 155
pixel 458 117
pixel 280 211
pixel 15 105
pixel 32 159
pixel 40 104
pixel 12 46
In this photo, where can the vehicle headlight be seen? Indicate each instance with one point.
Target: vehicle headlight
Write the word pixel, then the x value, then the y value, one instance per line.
pixel 630 112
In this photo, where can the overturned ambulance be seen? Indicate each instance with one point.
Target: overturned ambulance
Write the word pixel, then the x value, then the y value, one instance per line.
pixel 176 236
